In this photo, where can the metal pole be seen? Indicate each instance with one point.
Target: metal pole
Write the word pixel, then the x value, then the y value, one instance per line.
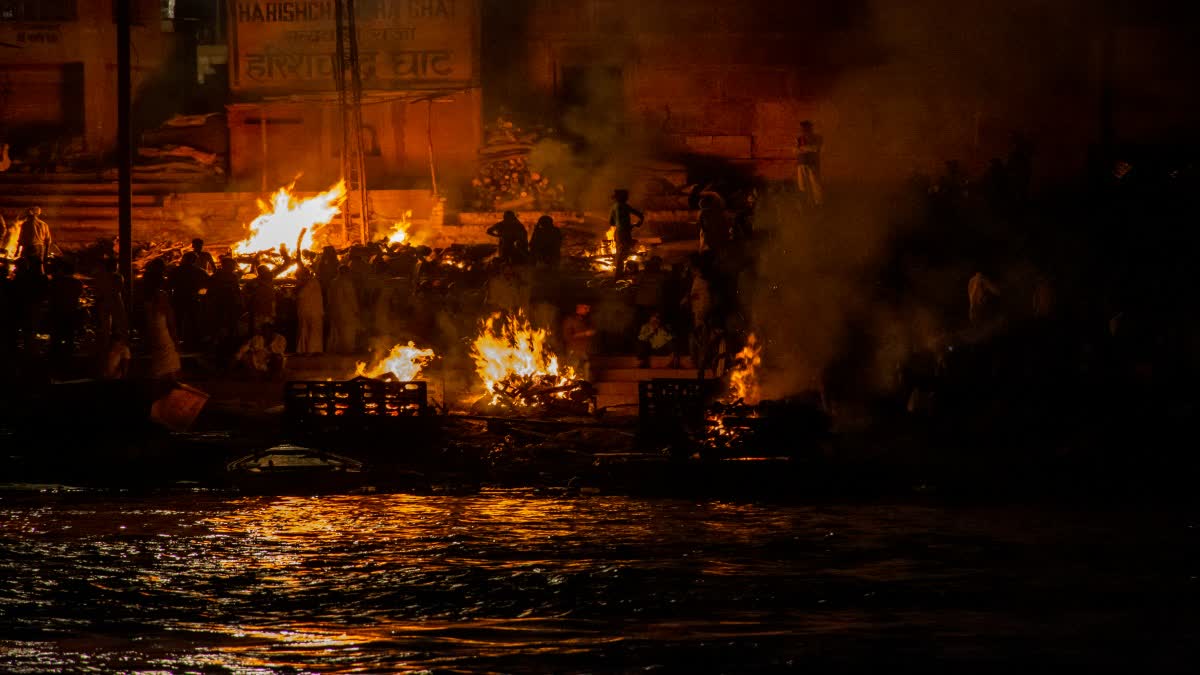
pixel 429 143
pixel 262 132
pixel 124 150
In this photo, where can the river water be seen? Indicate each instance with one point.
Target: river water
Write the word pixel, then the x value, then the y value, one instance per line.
pixel 508 581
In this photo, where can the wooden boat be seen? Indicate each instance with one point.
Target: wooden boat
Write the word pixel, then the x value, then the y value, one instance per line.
pixel 291 469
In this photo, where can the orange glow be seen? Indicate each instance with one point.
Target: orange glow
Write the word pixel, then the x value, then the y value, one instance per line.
pixel 400 230
pixel 283 219
pixel 743 379
pixel 509 353
pixel 405 362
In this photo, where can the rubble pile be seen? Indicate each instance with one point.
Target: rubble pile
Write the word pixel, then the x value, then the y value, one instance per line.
pixel 505 179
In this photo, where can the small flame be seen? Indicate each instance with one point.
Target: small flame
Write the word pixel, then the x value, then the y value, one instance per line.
pixel 510 351
pixel 405 362
pixel 400 229
pixel 284 218
pixel 743 379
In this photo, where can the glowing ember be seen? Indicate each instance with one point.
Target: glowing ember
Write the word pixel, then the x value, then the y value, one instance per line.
pixel 284 218
pixel 743 379
pixel 400 230
pixel 514 362
pixel 405 362
pixel 604 255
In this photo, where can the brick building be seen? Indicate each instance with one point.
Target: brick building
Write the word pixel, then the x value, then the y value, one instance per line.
pixel 422 96
pixel 58 71
pixel 893 86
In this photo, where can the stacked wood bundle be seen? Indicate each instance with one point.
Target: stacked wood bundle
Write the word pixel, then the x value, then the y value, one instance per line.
pixel 505 180
pixel 541 395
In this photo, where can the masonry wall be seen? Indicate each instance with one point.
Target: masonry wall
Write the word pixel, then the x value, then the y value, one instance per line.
pixel 38 101
pixel 893 85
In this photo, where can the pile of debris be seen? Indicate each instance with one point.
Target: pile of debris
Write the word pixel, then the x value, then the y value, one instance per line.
pixel 505 179
pixel 183 147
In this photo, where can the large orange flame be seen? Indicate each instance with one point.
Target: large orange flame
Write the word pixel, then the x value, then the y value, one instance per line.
pixel 401 229
pixel 743 379
pixel 405 362
pixel 284 218
pixel 510 351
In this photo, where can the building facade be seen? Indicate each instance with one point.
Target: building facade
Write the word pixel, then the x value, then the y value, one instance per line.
pixel 419 62
pixel 58 71
pixel 892 86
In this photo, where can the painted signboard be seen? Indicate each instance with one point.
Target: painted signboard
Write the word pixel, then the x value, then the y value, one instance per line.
pixel 289 47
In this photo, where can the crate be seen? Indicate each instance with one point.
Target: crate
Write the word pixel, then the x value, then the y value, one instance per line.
pixel 673 410
pixel 328 404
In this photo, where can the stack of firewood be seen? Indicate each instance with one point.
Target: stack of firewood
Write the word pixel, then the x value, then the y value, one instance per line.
pixel 544 393
pixel 505 179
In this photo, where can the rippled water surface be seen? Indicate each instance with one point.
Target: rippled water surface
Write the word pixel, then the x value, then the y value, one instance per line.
pixel 511 582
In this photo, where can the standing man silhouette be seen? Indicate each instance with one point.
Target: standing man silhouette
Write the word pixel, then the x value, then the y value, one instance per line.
pixel 808 163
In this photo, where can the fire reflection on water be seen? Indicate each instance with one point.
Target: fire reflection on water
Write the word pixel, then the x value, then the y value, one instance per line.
pixel 505 581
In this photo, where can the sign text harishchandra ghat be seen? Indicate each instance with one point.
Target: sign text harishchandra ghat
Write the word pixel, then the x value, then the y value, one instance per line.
pixel 288 47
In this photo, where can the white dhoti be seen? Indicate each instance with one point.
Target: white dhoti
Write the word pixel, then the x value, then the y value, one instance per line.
pixel 808 182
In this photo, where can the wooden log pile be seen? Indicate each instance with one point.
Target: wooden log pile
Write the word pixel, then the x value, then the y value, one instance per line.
pixel 543 394
pixel 505 180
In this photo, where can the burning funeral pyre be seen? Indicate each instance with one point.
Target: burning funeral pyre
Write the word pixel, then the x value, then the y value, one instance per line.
pixel 403 362
pixel 603 257
pixel 400 230
pixel 728 417
pixel 286 219
pixel 742 423
pixel 521 373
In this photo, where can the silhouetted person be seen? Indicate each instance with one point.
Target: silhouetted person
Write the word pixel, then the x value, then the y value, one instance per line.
pixel 27 292
pixel 261 291
pixel 621 219
pixel 982 294
pixel 204 259
pixel 514 240
pixel 263 355
pixel 112 322
pixel 66 291
pixel 327 267
pixel 546 242
pixel 578 336
pixel 225 299
pixel 808 164
pixel 185 283
pixel 655 339
pixel 34 238
pixel 342 310
pixel 743 222
pixel 713 225
pixel 310 313
pixel 160 330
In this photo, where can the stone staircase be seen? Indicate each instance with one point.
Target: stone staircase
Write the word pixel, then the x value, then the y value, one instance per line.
pixel 82 207
pixel 617 377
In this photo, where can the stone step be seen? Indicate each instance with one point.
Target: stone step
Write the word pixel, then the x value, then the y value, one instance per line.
pixel 21 199
pixel 625 402
pixel 53 213
pixel 617 388
pixel 640 374
pixel 91 184
pixel 630 362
